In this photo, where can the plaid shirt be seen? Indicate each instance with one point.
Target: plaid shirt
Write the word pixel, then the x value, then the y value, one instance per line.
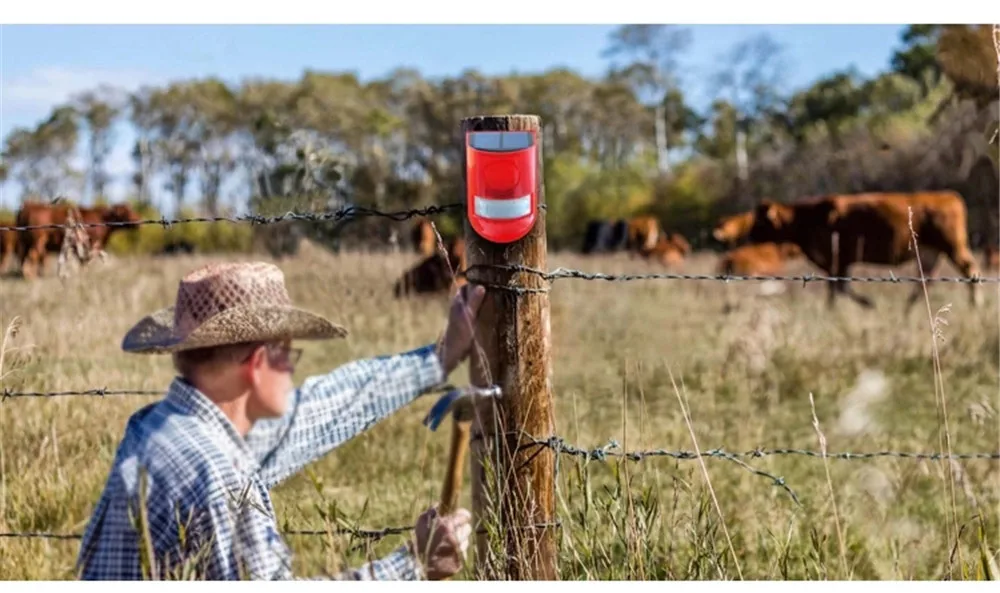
pixel 207 487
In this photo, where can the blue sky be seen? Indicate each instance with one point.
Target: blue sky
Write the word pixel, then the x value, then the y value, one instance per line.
pixel 44 65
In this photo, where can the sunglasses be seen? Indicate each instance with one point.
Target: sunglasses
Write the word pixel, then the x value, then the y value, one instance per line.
pixel 279 354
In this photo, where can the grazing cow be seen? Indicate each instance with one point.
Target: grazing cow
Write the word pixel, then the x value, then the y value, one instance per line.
pixel 836 231
pixel 604 236
pixel 643 234
pixel 33 245
pixel 731 229
pixel 758 259
pixel 434 273
pixel 423 237
pixel 670 249
pixel 8 244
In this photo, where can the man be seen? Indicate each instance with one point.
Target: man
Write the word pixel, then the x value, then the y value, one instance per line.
pixel 232 426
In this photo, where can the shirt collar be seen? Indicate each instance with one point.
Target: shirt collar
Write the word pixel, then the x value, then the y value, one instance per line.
pixel 188 399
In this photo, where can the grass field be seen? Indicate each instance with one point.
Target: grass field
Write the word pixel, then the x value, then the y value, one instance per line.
pixel 618 349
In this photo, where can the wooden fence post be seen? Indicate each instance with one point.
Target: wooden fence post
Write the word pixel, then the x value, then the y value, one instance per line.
pixel 515 494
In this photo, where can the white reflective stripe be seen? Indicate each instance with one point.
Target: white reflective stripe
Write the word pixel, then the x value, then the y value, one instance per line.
pixel 500 141
pixel 503 209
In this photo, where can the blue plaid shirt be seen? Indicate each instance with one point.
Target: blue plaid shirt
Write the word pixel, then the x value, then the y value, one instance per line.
pixel 207 487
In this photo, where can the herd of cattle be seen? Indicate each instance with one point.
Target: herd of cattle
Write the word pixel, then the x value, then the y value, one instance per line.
pixel 832 232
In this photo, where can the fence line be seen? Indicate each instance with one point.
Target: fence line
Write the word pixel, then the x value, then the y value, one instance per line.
pixel 555 443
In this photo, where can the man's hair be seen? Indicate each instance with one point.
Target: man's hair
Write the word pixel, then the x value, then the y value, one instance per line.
pixel 188 362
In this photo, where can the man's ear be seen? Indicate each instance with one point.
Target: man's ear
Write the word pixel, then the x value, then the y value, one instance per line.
pixel 254 363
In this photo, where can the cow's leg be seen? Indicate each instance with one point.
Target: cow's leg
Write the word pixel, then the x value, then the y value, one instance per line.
pixel 963 259
pixel 34 261
pixel 847 290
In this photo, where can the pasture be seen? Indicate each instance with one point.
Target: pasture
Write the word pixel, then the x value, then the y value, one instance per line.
pixel 625 355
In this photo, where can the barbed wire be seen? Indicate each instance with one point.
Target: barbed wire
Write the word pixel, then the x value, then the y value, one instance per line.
pixel 374 534
pixel 9 393
pixel 260 219
pixel 603 452
pixel 369 534
pixel 562 273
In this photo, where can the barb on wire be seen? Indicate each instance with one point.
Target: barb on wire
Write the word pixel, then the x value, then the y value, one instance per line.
pixel 560 273
pixel 9 393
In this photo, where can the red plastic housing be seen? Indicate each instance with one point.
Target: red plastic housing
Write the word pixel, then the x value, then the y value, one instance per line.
pixel 501 180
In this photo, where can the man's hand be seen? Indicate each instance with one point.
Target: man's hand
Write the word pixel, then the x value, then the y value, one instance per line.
pixel 459 334
pixel 441 542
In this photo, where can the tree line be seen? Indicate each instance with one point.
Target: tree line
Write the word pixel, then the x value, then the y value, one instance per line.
pixel 622 144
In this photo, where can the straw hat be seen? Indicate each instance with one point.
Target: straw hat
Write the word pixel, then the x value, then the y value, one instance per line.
pixel 228 303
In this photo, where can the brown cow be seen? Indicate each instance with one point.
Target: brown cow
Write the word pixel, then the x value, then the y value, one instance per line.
pixel 643 234
pixel 758 259
pixel 8 244
pixel 733 228
pixel 434 273
pixel 33 245
pixel 423 237
pixel 838 230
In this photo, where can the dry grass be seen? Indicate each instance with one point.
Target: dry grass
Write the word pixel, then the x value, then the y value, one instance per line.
pixel 746 377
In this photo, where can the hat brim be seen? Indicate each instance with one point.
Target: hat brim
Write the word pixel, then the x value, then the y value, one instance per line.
pixel 154 334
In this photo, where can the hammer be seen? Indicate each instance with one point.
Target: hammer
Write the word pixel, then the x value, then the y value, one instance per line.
pixel 461 403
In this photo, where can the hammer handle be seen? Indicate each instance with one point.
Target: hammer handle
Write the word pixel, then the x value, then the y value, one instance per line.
pixel 456 466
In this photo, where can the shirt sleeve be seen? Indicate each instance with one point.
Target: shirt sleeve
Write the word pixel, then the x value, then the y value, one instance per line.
pixel 400 565
pixel 329 409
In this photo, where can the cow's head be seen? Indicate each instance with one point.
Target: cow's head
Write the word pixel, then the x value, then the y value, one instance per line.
pixel 733 228
pixel 771 221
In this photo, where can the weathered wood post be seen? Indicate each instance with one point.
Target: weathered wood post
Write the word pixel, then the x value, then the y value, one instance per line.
pixel 513 491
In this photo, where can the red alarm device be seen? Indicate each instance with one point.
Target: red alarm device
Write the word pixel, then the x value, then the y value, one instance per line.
pixel 501 181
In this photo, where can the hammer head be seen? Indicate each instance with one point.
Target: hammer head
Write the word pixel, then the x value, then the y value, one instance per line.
pixel 460 402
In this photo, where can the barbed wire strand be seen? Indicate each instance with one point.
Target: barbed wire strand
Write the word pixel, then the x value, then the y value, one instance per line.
pixel 370 534
pixel 260 219
pixel 563 273
pixel 610 450
pixel 9 393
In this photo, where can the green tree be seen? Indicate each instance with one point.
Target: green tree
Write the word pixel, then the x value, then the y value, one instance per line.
pixel 653 72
